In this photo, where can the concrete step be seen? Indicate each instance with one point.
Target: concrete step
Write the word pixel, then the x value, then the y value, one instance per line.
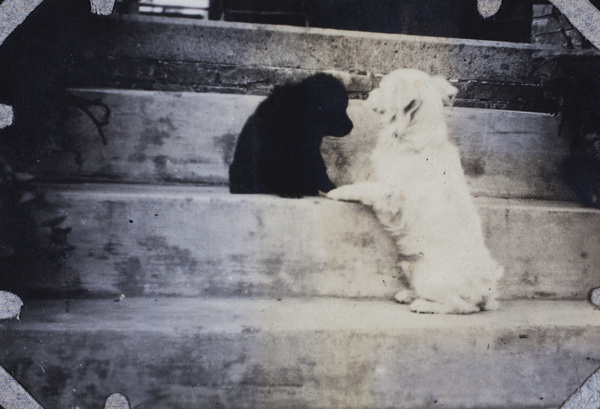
pixel 189 137
pixel 137 52
pixel 300 353
pixel 193 241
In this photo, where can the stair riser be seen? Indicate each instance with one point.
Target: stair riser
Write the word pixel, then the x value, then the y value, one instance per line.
pixel 186 76
pixel 318 49
pixel 138 52
pixel 199 372
pixel 185 137
pixel 259 365
pixel 170 241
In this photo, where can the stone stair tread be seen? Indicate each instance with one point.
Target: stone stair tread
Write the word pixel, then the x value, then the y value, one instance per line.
pixel 202 192
pixel 300 352
pixel 108 191
pixel 203 241
pixel 157 137
pixel 239 315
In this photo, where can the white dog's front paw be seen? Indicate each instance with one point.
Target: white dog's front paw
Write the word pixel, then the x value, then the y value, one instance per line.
pixel 344 193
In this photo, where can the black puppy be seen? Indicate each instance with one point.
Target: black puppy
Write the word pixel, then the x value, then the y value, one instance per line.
pixel 278 150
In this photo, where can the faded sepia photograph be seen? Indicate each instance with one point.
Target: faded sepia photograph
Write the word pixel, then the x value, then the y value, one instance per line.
pixel 300 204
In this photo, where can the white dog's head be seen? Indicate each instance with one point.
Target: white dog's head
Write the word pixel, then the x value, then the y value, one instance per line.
pixel 409 99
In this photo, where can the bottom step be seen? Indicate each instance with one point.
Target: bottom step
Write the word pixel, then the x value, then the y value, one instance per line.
pixel 299 353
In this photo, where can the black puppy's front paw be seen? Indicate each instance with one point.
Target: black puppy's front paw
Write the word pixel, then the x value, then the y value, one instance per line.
pixel 291 195
pixel 326 187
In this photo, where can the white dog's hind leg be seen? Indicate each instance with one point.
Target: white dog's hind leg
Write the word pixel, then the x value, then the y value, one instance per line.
pixel 458 306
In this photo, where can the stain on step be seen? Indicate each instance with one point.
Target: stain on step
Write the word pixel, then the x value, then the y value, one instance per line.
pixel 156 135
pixel 474 167
pixel 130 276
pixel 137 157
pixel 55 381
pixel 167 256
pixel 226 145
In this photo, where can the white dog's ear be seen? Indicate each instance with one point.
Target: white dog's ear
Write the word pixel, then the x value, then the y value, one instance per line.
pixel 447 90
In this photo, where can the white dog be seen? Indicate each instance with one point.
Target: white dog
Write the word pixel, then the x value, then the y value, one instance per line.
pixel 419 193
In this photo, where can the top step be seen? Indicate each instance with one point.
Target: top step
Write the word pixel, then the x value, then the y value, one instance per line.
pixel 138 52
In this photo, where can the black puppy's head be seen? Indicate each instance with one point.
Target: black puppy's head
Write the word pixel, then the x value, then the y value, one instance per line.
pixel 325 100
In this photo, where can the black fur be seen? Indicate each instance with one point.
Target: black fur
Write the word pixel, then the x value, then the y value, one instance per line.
pixel 278 150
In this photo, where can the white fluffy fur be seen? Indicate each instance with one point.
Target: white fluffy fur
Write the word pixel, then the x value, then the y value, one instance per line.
pixel 419 193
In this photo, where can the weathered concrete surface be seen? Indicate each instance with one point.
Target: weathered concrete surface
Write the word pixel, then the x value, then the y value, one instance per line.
pixel 156 53
pixel 187 241
pixel 317 49
pixel 157 137
pixel 547 247
pixel 190 137
pixel 186 76
pixel 140 73
pixel 301 353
